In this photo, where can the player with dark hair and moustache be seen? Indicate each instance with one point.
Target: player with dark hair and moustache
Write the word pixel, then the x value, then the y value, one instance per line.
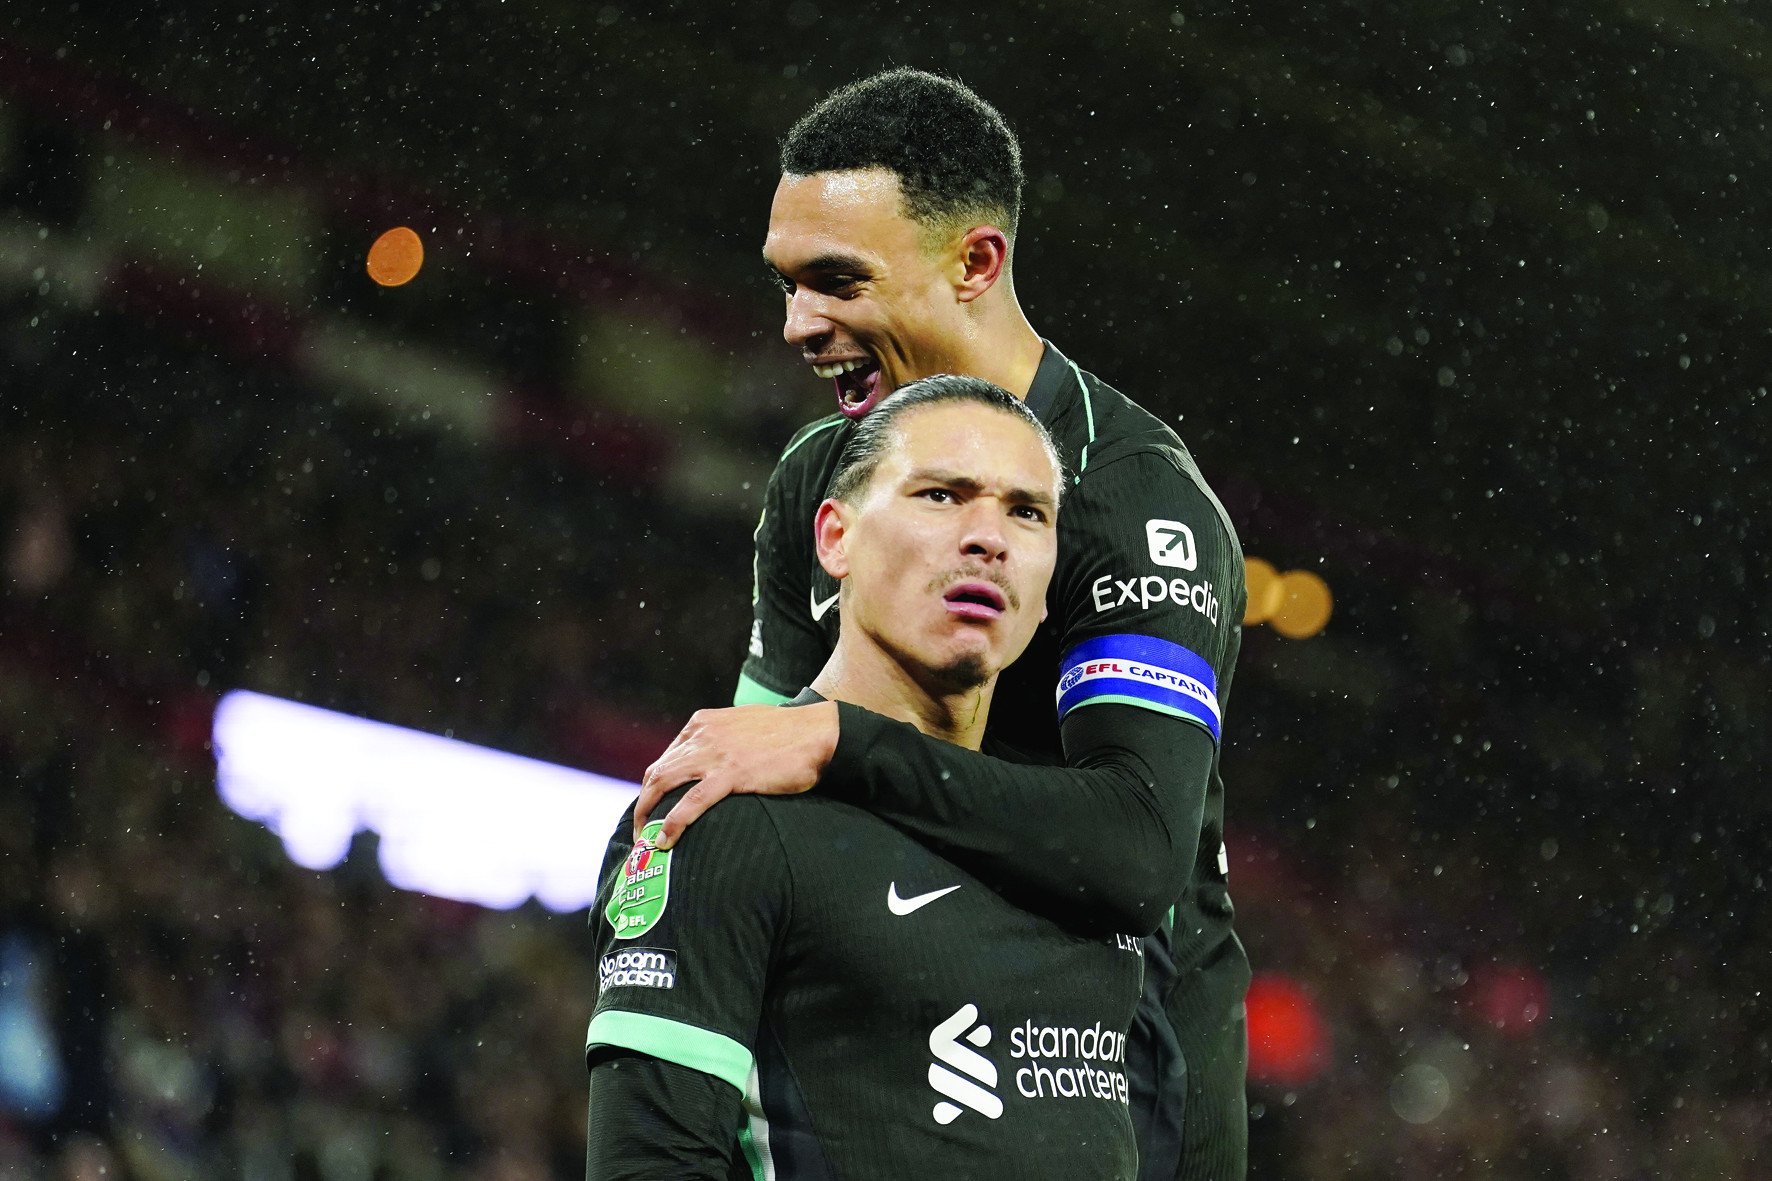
pixel 890 235
pixel 798 989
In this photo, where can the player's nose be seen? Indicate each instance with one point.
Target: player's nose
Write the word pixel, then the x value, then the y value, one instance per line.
pixel 982 534
pixel 806 325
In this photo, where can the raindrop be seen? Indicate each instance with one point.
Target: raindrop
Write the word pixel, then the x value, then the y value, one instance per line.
pixel 1420 1094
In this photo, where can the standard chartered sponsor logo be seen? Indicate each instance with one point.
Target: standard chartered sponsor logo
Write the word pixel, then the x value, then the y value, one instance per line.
pixel 968 1083
pixel 638 967
pixel 1062 1062
pixel 1147 592
pixel 1065 1062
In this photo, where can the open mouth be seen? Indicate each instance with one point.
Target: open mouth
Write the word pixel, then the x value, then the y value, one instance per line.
pixel 857 381
pixel 974 600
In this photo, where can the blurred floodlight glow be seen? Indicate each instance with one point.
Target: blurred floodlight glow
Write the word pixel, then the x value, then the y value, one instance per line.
pixel 1305 606
pixel 455 820
pixel 396 257
pixel 1265 592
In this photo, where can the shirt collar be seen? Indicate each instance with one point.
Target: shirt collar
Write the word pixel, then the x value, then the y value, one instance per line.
pixel 1052 378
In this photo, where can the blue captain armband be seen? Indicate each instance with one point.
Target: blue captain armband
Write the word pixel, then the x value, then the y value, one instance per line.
pixel 1143 671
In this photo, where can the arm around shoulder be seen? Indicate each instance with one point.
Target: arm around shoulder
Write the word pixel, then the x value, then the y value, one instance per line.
pixel 1151 585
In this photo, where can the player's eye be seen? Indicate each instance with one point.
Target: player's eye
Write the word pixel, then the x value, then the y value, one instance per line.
pixel 1028 512
pixel 939 495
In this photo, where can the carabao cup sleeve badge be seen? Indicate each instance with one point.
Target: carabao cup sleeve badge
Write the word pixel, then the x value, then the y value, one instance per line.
pixel 644 888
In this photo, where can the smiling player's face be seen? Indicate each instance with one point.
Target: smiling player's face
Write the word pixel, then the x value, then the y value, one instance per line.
pixel 865 289
pixel 946 554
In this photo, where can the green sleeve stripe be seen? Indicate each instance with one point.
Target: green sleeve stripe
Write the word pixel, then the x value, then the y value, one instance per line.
pixel 1141 703
pixel 747 1144
pixel 1088 414
pixel 815 428
pixel 756 579
pixel 750 692
pixel 672 1041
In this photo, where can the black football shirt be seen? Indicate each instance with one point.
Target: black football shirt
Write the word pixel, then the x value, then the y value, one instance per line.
pixel 1144 612
pixel 882 1012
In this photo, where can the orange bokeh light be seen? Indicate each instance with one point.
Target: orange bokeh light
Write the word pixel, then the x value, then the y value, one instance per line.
pixel 1265 593
pixel 395 257
pixel 1305 605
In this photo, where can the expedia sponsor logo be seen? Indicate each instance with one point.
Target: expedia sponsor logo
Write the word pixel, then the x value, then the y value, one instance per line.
pixel 1149 591
pixel 1172 544
pixel 638 967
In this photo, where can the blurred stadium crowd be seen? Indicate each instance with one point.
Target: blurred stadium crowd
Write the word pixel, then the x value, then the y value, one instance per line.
pixel 1440 993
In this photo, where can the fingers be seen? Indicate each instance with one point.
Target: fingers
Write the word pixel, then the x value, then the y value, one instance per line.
pixel 645 802
pixel 688 810
pixel 666 773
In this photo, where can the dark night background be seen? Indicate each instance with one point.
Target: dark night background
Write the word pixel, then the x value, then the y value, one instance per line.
pixel 1464 307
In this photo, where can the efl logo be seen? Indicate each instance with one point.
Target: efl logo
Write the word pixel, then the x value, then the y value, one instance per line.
pixel 1172 544
pixel 974 1068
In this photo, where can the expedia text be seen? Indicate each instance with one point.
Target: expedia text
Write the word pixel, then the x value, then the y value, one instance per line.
pixel 1144 593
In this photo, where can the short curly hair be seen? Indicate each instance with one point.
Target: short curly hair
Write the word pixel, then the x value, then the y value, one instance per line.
pixel 955 158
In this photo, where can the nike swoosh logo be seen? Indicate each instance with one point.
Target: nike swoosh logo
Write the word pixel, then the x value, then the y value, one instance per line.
pixel 904 906
pixel 818 608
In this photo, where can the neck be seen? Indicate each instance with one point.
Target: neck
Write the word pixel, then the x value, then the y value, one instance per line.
pixel 862 674
pixel 999 344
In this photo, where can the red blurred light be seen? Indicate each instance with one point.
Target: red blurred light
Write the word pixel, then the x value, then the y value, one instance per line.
pixel 1512 998
pixel 1288 1039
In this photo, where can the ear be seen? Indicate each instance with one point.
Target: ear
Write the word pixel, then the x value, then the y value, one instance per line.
pixel 982 257
pixel 830 533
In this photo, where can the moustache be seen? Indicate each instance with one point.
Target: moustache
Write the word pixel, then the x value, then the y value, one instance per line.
pixel 1013 599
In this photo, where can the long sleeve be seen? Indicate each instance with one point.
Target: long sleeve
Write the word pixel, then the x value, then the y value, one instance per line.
pixel 685 937
pixel 1102 844
pixel 650 1118
pixel 1147 600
